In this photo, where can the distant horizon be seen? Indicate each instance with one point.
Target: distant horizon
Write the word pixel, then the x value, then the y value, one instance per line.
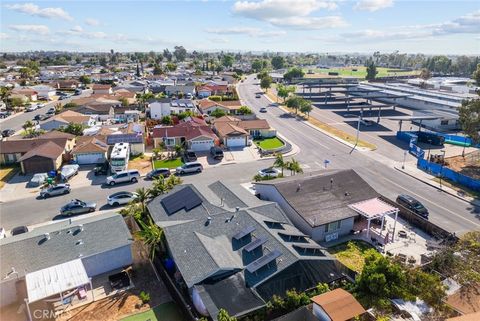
pixel 288 26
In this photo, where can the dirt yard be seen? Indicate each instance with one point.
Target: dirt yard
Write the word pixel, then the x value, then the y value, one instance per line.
pixel 142 163
pixel 468 165
pixel 120 306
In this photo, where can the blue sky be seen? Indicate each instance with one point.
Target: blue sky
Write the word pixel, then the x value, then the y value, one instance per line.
pixel 430 27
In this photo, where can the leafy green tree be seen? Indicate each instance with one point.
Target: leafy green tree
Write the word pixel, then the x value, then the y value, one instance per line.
pixel 284 91
pixel 425 74
pixel 262 74
pixel 294 167
pixel 28 124
pixel 294 299
pixel 124 102
pixel 305 106
pixel 280 162
pixel 171 66
pixel 266 82
pixel 244 110
pixel 16 102
pixel 257 65
pixel 215 98
pixel 167 120
pixel 293 73
pixel 469 118
pixel 74 129
pixel 85 80
pixel 294 102
pixel 185 114
pixel 227 61
pixel 278 62
pixel 180 53
pixel 371 70
pixel 143 195
pixel 70 105
pixel 157 70
pixel 217 113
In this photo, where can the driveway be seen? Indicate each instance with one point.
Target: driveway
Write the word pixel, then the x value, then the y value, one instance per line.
pixel 238 154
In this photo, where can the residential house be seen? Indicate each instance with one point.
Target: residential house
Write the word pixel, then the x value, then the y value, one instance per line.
pixel 207 106
pixel 90 150
pixel 44 92
pixel 185 90
pixel 166 106
pixel 58 249
pixel 63 119
pixel 128 95
pixel 126 114
pixel 195 134
pixel 43 158
pixel 206 91
pixel 319 204
pixel 26 94
pixel 237 255
pixel 12 150
pixel 101 109
pixel 102 89
pixel 135 139
pixel 234 132
pixel 70 84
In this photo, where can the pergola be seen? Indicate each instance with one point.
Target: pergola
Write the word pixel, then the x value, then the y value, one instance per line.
pixel 55 280
pixel 375 209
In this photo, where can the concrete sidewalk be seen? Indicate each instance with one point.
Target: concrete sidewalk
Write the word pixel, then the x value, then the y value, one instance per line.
pixel 411 170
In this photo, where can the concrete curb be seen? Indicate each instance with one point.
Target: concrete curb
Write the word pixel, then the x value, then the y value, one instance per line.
pixel 473 202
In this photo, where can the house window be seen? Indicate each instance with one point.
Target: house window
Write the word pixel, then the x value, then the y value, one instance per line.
pixel 332 227
pixel 255 133
pixel 444 122
pixel 169 141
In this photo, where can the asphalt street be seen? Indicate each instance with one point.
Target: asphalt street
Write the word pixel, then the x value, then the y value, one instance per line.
pixel 315 147
pixel 17 121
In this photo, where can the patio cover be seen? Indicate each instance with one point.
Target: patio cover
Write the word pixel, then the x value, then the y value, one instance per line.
pixel 56 279
pixel 373 208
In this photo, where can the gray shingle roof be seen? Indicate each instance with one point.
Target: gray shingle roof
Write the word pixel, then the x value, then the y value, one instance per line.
pixel 31 251
pixel 229 198
pixel 323 197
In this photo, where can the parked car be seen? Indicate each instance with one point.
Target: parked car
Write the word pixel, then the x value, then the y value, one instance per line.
pixel 38 179
pixel 193 167
pixel 60 189
pixel 2 233
pixel 31 108
pixel 40 117
pixel 19 230
pixel 68 171
pixel 413 205
pixel 50 113
pixel 121 198
pixel 165 172
pixel 263 110
pixel 101 169
pixel 189 156
pixel 40 105
pixel 77 207
pixel 269 172
pixel 216 152
pixel 258 95
pixel 78 91
pixel 5 114
pixel 7 132
pixel 123 177
pixel 51 110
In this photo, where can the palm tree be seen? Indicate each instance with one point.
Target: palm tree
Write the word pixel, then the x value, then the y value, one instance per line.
pixel 279 162
pixel 294 167
pixel 159 187
pixel 28 124
pixel 143 195
pixel 152 235
pixel 172 181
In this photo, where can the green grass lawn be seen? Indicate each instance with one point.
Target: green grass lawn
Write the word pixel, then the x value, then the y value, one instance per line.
pixel 361 72
pixel 168 163
pixel 269 143
pixel 163 312
pixel 351 254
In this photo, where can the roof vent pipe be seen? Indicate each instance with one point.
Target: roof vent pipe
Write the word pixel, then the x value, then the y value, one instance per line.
pixel 237 209
pixel 47 236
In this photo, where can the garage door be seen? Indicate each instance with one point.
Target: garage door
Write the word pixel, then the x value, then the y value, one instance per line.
pixel 236 142
pixel 93 158
pixel 201 145
pixel 37 165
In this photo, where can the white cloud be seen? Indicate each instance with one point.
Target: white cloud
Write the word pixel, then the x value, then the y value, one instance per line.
pixel 310 22
pixel 252 32
pixel 92 22
pixel 76 29
pixel 38 29
pixel 218 40
pixel 3 36
pixel 34 10
pixel 373 5
pixel 290 13
pixel 468 24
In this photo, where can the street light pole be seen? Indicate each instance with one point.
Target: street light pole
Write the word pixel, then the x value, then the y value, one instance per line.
pixel 441 167
pixel 404 158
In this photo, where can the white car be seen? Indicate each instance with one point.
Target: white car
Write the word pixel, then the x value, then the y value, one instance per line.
pixel 258 95
pixel 123 177
pixel 32 108
pixel 121 198
pixel 269 172
pixel 40 105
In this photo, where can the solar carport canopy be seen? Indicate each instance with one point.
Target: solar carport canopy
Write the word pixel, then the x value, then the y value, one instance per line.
pixel 56 279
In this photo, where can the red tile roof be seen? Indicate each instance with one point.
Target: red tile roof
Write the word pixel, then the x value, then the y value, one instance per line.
pixel 189 130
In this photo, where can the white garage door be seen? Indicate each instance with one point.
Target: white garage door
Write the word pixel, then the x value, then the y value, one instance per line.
pixel 201 145
pixel 236 142
pixel 94 158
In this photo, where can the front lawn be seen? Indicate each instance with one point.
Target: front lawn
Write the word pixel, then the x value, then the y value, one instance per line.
pixel 351 254
pixel 6 173
pixel 269 143
pixel 168 163
pixel 163 312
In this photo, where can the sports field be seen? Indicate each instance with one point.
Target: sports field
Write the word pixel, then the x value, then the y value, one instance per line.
pixel 359 72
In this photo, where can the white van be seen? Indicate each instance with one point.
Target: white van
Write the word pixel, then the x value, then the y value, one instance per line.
pixel 123 177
